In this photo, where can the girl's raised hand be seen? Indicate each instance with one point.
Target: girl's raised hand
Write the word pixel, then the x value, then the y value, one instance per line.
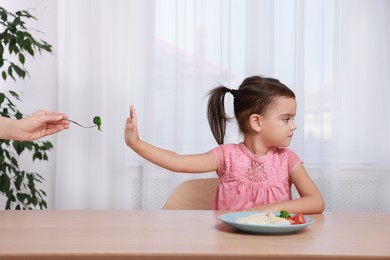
pixel 131 129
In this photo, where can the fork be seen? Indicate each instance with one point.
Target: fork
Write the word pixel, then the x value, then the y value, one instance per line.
pixel 74 122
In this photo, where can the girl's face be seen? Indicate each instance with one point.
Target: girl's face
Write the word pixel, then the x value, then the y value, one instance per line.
pixel 277 125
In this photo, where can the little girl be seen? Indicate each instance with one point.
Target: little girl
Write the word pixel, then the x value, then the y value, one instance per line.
pixel 256 174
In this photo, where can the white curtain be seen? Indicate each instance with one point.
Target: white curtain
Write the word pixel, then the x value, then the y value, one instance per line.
pixel 163 56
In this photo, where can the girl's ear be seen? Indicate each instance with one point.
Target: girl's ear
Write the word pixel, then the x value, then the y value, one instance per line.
pixel 255 122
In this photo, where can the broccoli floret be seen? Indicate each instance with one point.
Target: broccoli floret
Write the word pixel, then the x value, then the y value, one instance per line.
pixel 284 214
pixel 98 121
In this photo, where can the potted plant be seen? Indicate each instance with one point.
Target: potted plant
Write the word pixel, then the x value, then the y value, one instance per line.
pixel 20 187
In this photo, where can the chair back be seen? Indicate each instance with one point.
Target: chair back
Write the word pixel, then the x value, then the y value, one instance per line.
pixel 196 194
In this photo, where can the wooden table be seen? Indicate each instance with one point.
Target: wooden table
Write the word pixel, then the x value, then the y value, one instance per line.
pixel 184 235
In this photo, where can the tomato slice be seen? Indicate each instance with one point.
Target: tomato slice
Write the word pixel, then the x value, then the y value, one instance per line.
pixel 292 221
pixel 299 219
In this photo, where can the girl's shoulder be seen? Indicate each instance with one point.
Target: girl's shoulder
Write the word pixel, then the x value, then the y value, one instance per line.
pixel 229 147
pixel 282 150
pixel 227 150
pixel 287 155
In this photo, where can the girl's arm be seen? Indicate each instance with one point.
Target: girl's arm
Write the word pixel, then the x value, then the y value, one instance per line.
pixel 195 163
pixel 310 201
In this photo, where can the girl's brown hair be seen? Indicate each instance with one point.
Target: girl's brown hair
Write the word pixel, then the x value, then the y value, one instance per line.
pixel 254 96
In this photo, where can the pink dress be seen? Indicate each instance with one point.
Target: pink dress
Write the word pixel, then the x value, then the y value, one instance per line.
pixel 246 180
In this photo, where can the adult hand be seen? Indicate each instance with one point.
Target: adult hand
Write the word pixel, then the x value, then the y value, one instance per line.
pixel 41 123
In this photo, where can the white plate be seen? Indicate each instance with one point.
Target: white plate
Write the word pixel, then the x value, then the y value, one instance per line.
pixel 230 219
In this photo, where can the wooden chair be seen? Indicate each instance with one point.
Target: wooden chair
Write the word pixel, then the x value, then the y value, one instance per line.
pixel 196 194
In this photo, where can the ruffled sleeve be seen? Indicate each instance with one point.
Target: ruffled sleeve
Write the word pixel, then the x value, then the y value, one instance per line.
pixel 293 161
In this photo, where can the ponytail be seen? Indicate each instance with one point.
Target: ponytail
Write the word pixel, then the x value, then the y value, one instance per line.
pixel 216 114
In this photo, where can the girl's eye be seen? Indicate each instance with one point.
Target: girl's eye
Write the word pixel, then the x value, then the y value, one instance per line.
pixel 286 120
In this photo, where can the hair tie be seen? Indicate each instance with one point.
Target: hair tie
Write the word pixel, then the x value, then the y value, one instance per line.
pixel 234 92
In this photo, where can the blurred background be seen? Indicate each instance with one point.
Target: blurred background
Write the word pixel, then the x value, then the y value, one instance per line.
pixel 164 56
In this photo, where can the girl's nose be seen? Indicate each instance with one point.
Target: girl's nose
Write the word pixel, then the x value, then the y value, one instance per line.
pixel 293 126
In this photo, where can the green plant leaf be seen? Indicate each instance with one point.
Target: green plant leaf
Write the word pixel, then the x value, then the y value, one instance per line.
pixel 2 98
pixel 47 145
pixel 16 21
pixel 10 72
pixel 21 73
pixel 8 205
pixel 37 155
pixel 19 36
pixel 12 46
pixel 34 200
pixel 43 204
pixel 1 53
pixel 14 162
pixel 4 183
pixel 14 94
pixel 10 195
pixel 21 196
pixel 27 45
pixel 28 145
pixel 22 59
pixel 43 192
pixel 18 146
pixel 18 181
pixel 30 177
pixel 47 47
pixel 3 15
pixel 26 14
pixel 18 115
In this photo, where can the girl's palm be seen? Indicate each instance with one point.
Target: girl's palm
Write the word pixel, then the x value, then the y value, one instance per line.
pixel 131 129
